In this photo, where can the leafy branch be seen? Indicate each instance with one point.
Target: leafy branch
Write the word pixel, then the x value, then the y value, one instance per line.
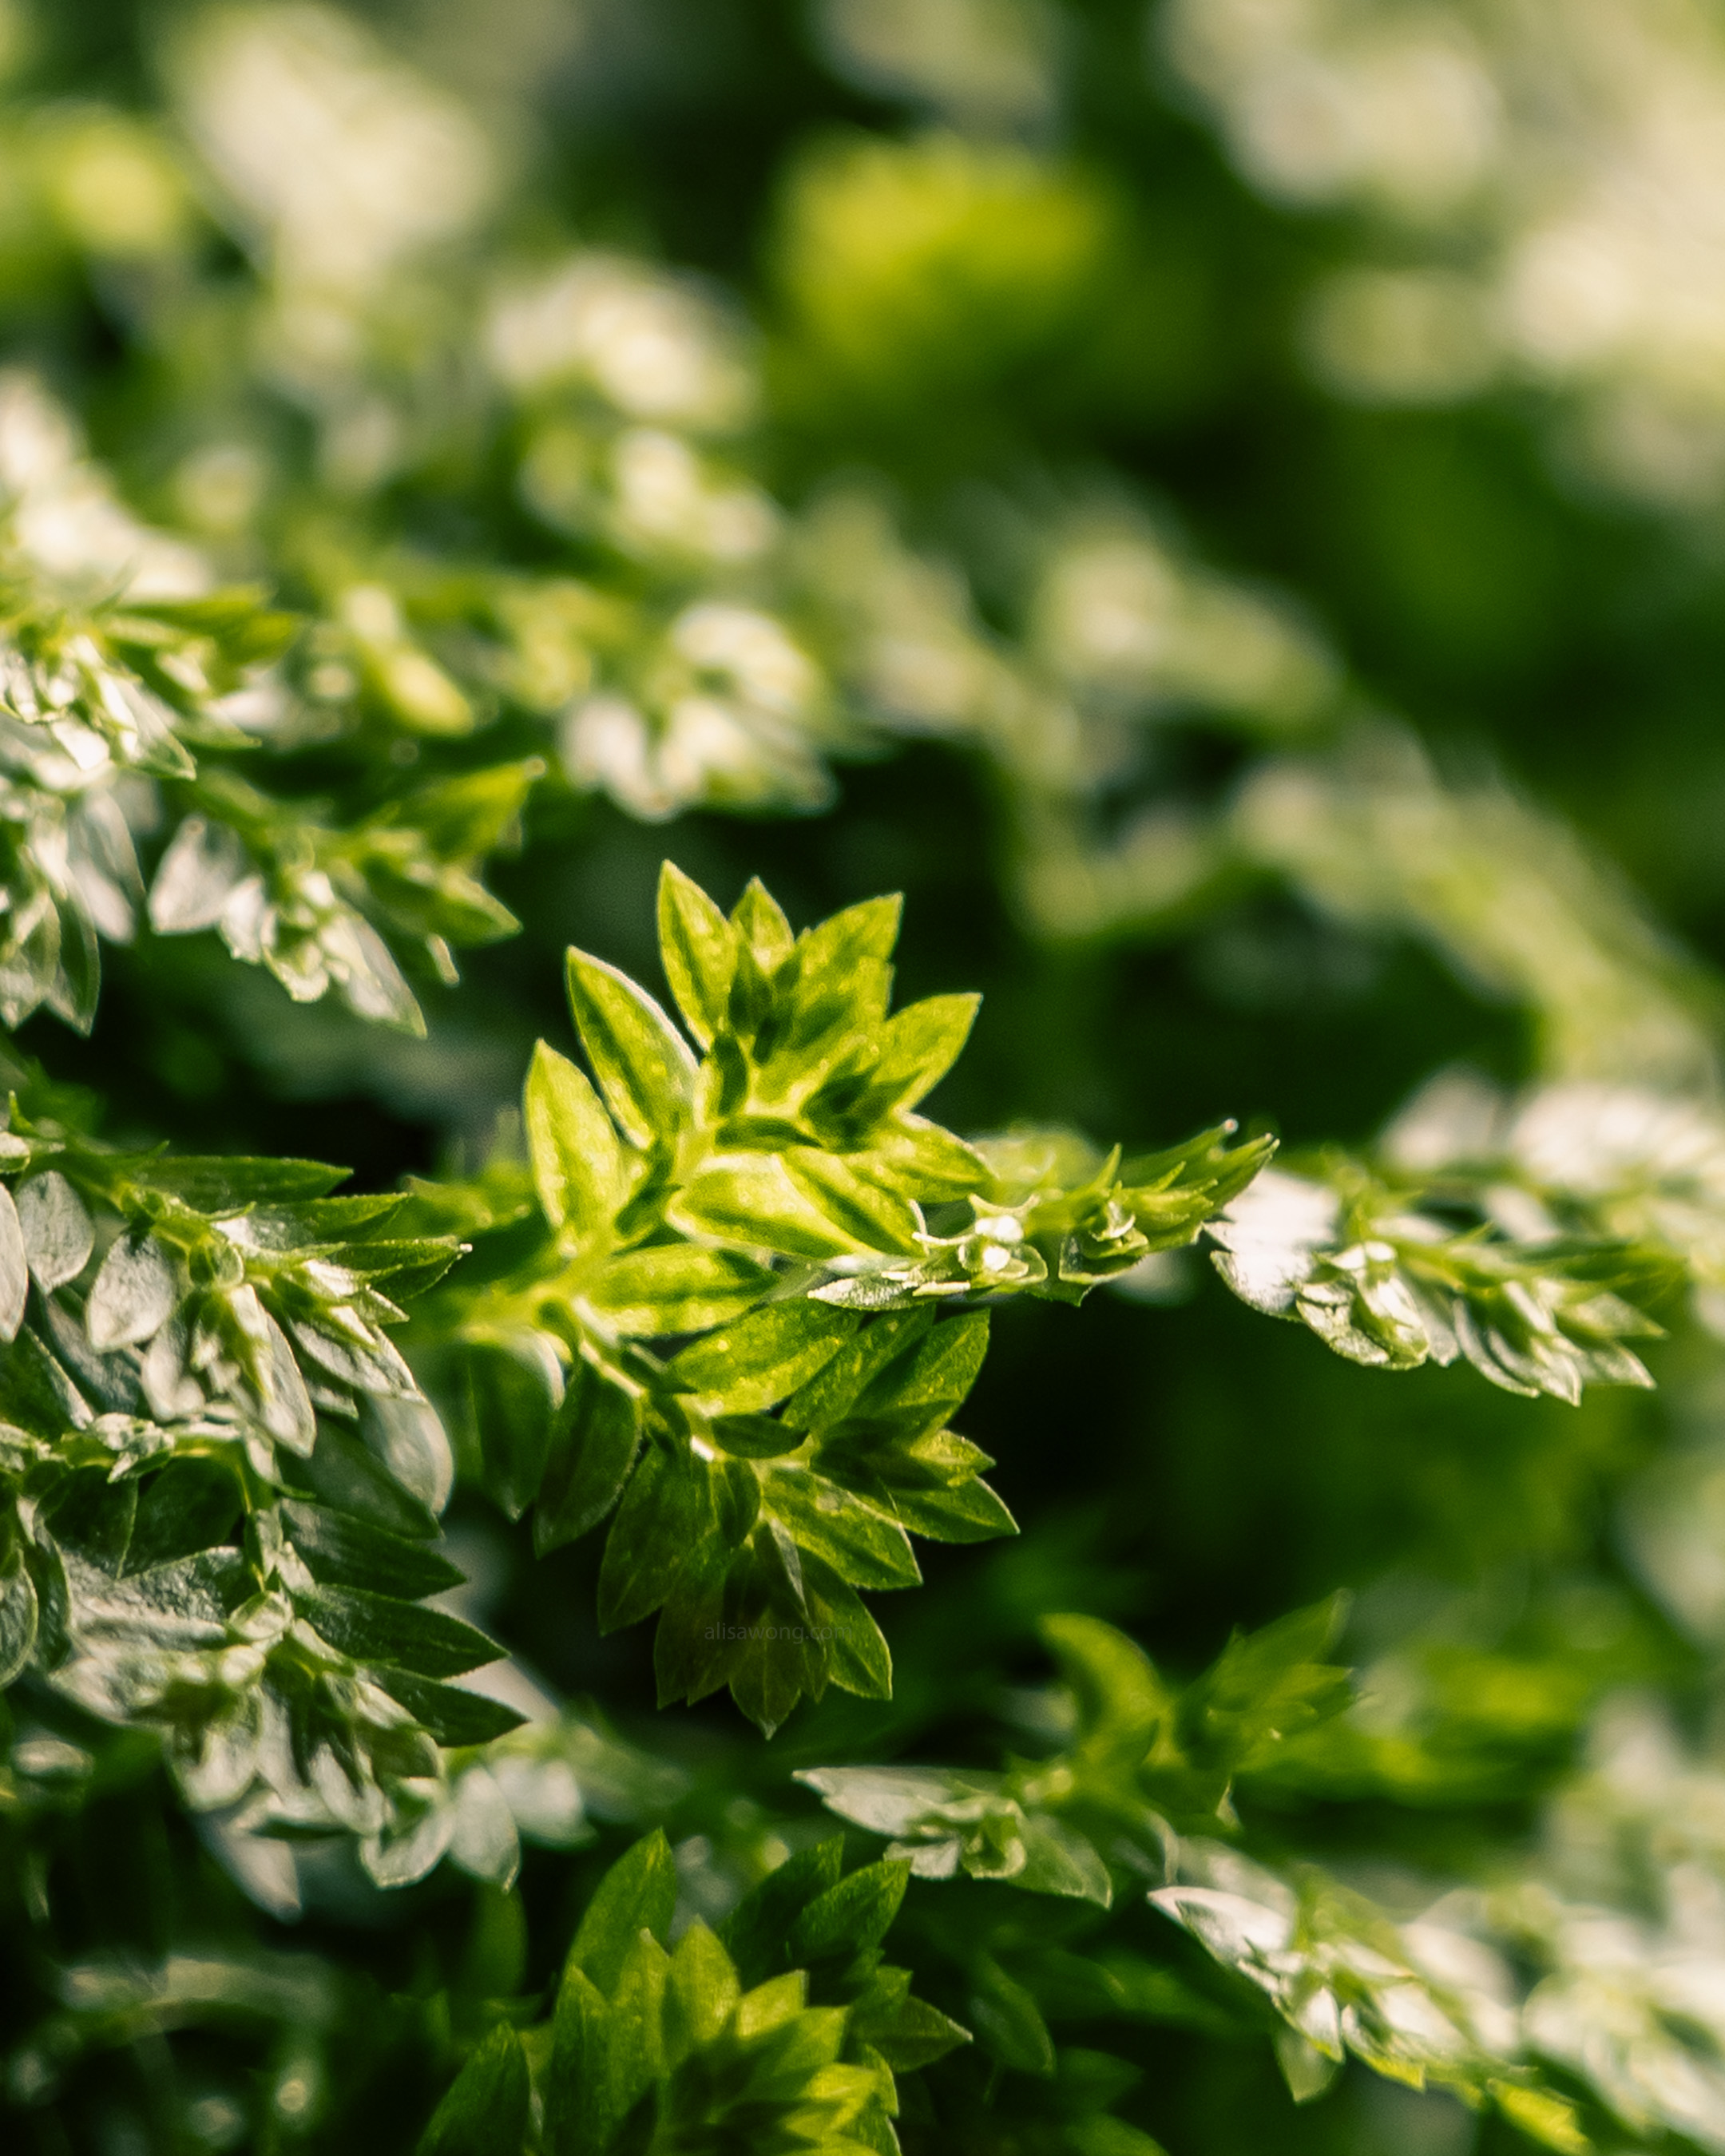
pixel 1534 1239
pixel 220 1478
pixel 780 1197
pixel 1134 1800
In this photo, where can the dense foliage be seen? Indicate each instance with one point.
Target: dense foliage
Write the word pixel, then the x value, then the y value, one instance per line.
pixel 520 527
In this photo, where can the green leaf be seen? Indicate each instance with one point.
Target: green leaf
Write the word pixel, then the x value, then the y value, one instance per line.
pixel 833 951
pixel 755 1436
pixel 677 1287
pixel 577 1161
pixel 593 1442
pixel 643 1064
pixel 187 1506
pixel 871 1217
pixel 19 1616
pixel 836 983
pixel 921 1161
pixel 859 1658
pixel 1120 1698
pixel 934 1374
pixel 346 1474
pixel 759 1361
pixel 580 2112
pixel 909 2034
pixel 702 1995
pixel 464 817
pixel 1059 1861
pixel 638 1894
pixel 1266 1687
pixel 759 920
pixel 969 1512
pixel 341 1550
pixel 918 1047
pixel 697 947
pixel 486 2111
pixel 757 1931
pixel 1550 2120
pixel 134 1295
pixel 406 1439
pixel 1008 2023
pixel 750 1199
pixel 87 1512
pixel 856 1914
pixel 637 2058
pixel 373 1627
pixel 663 1517
pixel 513 1388
pixel 485 1842
pixel 829 1394
pixel 222 1186
pixel 14 1268
pixel 453 1716
pixel 863 1548
pixel 58 1231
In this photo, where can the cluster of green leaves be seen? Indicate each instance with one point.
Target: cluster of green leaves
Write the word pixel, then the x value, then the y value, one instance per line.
pixel 1130 1804
pixel 287 890
pixel 1145 1759
pixel 119 702
pixel 729 1301
pixel 220 1479
pixel 782 2031
pixel 1392 1272
pixel 781 1199
pixel 88 695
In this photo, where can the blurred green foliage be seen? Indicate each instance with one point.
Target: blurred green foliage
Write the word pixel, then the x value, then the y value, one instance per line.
pixel 1218 504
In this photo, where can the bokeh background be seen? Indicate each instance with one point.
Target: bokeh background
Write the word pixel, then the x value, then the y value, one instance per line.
pixel 1222 504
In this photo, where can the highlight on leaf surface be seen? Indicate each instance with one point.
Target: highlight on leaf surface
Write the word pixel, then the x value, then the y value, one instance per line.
pixel 807 1246
pixel 1534 1239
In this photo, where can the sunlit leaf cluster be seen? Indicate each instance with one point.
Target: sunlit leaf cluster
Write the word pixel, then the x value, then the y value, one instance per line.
pixel 783 1200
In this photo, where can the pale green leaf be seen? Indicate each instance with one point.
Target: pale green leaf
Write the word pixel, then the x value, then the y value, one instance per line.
pixel 697 947
pixel 134 1295
pixel 643 1064
pixel 14 1268
pixel 577 1160
pixel 677 1287
pixel 59 1234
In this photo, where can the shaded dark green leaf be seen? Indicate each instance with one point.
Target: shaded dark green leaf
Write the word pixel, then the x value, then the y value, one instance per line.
pixel 453 1716
pixel 341 1551
pixel 593 1446
pixel 373 1627
pixel 485 2111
